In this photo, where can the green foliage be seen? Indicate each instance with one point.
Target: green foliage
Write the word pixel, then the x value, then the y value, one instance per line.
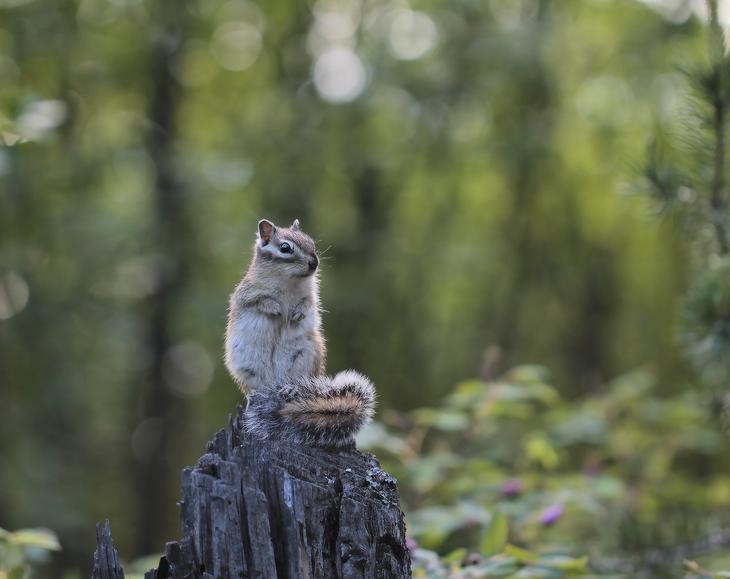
pixel 528 467
pixel 695 571
pixel 495 535
pixel 708 316
pixel 21 549
pixel 137 568
pixel 687 170
pixel 511 562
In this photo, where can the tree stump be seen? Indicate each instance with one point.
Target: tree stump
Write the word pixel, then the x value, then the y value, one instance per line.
pixel 261 509
pixel 106 561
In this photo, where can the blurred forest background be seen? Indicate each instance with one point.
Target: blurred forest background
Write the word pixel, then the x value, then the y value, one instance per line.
pixel 475 172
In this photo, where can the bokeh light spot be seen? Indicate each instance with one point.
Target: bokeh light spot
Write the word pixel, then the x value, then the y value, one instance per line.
pixel 339 75
pixel 412 34
pixel 236 45
pixel 39 118
pixel 228 174
pixel 187 369
pixel 14 294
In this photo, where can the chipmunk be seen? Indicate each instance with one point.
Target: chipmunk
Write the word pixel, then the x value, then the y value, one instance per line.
pixel 275 349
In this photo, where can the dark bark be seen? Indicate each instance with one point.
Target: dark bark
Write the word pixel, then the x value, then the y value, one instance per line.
pixel 254 509
pixel 106 561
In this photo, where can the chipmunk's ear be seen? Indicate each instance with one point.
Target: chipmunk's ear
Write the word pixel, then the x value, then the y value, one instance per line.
pixel 295 226
pixel 266 230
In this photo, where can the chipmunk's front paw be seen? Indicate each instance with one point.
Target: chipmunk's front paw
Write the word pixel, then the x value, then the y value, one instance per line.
pixel 299 312
pixel 297 316
pixel 269 306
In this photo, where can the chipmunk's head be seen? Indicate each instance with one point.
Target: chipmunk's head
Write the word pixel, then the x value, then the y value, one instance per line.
pixel 288 251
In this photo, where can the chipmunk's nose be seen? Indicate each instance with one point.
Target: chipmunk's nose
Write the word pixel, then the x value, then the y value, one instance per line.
pixel 313 263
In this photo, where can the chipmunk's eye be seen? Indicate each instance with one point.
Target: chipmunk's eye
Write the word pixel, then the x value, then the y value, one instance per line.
pixel 285 248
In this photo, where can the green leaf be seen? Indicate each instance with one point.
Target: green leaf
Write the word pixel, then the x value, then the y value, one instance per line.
pixel 499 567
pixel 19 572
pixel 537 573
pixel 143 564
pixel 450 420
pixel 528 374
pixel 467 393
pixel 520 554
pixel 495 537
pixel 11 555
pixel 539 449
pixel 39 538
pixel 456 556
pixel 565 563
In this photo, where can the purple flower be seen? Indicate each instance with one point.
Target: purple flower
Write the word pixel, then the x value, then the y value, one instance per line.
pixel 512 487
pixel 551 515
pixel 411 545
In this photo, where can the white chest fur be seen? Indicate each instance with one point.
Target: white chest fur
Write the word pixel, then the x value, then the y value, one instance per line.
pixel 265 350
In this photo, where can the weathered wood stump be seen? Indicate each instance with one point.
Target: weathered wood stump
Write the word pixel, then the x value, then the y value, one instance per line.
pixel 254 509
pixel 106 561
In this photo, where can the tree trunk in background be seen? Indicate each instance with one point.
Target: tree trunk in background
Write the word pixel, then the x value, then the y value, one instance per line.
pixel 530 160
pixel 530 138
pixel 269 510
pixel 173 239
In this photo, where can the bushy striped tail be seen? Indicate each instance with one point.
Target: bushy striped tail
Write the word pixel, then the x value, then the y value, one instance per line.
pixel 317 411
